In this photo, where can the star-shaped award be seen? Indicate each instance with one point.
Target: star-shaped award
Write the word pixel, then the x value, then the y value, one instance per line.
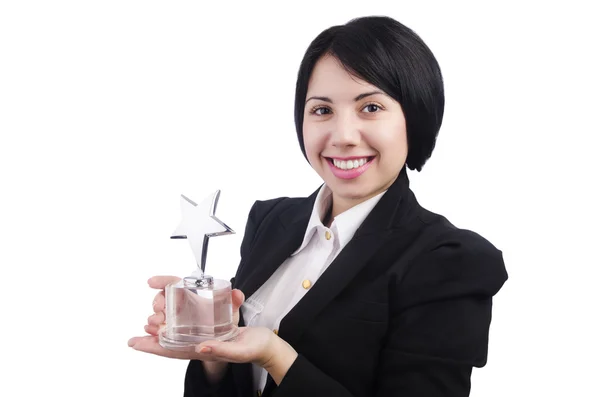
pixel 198 224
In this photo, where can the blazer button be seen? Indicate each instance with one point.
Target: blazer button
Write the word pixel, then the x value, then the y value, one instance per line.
pixel 306 284
pixel 276 332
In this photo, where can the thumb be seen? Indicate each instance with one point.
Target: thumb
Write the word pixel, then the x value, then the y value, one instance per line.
pixel 221 350
pixel 237 299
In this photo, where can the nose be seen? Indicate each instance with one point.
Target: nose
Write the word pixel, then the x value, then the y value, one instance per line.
pixel 345 132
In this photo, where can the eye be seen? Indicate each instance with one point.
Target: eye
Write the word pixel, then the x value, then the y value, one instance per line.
pixel 372 108
pixel 320 110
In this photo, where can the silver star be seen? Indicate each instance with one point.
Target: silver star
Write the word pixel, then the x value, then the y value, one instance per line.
pixel 198 224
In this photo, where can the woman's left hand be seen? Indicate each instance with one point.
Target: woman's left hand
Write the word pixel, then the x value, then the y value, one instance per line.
pixel 258 345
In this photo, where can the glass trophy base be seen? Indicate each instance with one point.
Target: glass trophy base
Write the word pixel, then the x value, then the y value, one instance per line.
pixel 187 338
pixel 197 310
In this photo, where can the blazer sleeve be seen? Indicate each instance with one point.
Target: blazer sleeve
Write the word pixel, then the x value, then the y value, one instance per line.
pixel 440 316
pixel 196 384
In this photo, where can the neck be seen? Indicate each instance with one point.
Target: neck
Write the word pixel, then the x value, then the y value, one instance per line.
pixel 342 204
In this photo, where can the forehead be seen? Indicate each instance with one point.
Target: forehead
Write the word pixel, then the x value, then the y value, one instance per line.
pixel 329 77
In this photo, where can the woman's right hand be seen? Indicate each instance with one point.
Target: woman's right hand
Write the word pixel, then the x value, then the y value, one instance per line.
pixel 156 321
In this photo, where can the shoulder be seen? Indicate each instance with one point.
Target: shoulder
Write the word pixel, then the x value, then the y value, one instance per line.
pixel 263 208
pixel 453 261
pixel 262 214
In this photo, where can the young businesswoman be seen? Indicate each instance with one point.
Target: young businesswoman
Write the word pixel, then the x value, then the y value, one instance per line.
pixel 355 290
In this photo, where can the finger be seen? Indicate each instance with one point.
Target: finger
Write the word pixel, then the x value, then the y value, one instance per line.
pixel 160 282
pixel 158 304
pixel 230 351
pixel 152 329
pixel 156 319
pixel 237 299
pixel 149 344
pixel 131 342
pixel 223 351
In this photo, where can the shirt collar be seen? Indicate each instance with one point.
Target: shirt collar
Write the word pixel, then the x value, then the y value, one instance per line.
pixel 344 225
pixel 350 220
pixel 322 204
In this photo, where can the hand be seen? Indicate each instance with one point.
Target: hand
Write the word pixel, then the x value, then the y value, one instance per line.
pixel 251 345
pixel 149 344
pixel 258 345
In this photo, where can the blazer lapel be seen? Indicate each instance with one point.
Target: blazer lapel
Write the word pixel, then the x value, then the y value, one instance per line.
pixel 275 245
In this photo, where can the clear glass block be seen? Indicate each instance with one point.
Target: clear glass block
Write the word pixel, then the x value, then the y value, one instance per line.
pixel 197 310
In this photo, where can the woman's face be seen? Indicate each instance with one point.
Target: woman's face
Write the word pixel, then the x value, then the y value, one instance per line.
pixel 354 134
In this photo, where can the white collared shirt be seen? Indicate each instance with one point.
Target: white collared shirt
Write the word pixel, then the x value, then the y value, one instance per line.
pixel 294 278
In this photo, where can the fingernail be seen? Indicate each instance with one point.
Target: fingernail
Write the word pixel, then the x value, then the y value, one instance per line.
pixel 206 349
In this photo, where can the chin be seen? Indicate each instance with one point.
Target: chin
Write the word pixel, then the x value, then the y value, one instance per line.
pixel 352 191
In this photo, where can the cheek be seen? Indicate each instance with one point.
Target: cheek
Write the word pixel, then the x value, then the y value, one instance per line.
pixel 391 143
pixel 314 142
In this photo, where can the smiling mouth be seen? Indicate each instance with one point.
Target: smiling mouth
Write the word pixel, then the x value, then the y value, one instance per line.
pixel 350 164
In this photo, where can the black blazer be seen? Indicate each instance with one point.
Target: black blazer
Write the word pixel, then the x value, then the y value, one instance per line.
pixel 403 310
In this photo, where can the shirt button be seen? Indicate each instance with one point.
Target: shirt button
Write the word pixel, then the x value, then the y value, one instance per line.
pixel 306 284
pixel 327 234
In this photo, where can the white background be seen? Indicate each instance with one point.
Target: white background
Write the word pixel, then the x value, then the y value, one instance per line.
pixel 109 110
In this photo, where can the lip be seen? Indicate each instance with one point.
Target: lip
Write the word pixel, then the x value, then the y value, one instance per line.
pixel 349 174
pixel 350 157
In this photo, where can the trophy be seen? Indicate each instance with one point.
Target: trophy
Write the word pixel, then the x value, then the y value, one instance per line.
pixel 198 307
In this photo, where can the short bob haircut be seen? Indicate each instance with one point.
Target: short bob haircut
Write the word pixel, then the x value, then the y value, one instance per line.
pixel 387 54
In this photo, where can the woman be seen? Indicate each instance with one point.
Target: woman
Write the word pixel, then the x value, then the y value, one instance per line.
pixel 355 290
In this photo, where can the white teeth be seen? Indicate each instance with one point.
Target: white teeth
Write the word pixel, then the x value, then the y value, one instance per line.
pixel 350 164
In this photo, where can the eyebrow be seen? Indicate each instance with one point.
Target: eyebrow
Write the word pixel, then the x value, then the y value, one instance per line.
pixel 357 98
